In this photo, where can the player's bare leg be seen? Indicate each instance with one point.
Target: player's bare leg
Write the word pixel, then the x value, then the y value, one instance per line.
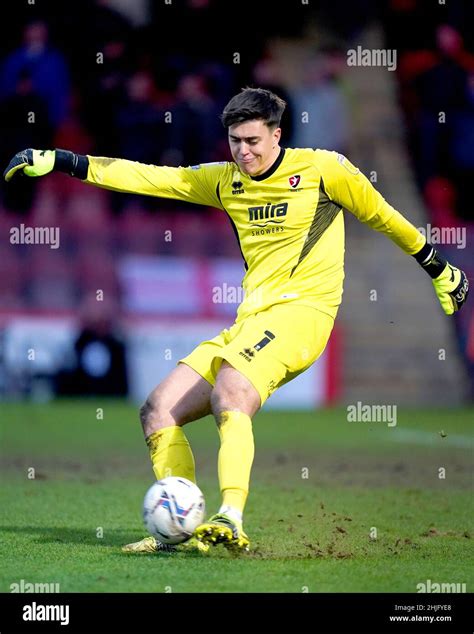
pixel 234 400
pixel 184 396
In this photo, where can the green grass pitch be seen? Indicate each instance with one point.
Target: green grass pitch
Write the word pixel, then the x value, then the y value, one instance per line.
pixel 335 506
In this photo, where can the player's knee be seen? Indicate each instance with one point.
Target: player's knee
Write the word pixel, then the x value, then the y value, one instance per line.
pixel 216 401
pixel 225 398
pixel 145 412
pixel 154 414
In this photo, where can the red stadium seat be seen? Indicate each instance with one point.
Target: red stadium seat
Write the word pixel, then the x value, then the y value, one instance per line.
pixel 142 233
pixel 96 271
pixel 12 279
pixel 51 279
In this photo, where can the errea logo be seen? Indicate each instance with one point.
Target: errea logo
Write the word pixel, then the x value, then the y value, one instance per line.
pixel 247 353
pixel 237 188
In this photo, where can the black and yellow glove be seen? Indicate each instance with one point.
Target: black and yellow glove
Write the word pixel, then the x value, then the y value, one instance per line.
pixel 31 162
pixel 450 283
pixel 40 162
pixel 452 288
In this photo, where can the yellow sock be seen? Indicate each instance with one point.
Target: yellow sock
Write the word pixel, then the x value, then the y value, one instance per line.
pixel 235 458
pixel 171 454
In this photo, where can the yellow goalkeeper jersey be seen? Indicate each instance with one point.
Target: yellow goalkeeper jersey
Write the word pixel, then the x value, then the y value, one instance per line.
pixel 288 221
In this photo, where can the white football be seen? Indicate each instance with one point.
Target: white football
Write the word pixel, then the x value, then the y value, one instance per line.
pixel 173 507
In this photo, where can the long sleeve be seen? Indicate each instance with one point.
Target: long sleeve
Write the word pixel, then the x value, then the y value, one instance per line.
pixel 192 184
pixel 348 187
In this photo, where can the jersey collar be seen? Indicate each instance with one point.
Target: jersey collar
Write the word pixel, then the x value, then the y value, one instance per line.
pixel 272 169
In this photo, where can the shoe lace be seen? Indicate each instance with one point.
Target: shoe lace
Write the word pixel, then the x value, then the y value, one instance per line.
pixel 225 521
pixel 166 548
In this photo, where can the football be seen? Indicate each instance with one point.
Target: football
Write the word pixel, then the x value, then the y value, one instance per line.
pixel 173 507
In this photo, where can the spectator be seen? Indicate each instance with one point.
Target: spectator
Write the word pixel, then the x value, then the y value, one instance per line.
pixel 140 130
pixel 442 91
pixel 321 118
pixel 140 121
pixel 28 126
pixel 195 122
pixel 103 92
pixel 267 74
pixel 100 367
pixel 45 65
pixel 462 151
pixel 440 197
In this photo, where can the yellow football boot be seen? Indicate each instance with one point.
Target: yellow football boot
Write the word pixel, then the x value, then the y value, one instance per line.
pixel 152 545
pixel 221 529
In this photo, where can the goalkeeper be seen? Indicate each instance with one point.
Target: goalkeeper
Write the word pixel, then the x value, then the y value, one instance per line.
pixel 285 207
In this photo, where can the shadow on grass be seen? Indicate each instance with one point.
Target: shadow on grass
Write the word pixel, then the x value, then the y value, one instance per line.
pixel 116 538
pixel 67 535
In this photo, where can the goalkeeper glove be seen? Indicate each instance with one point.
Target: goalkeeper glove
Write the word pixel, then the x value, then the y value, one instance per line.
pixel 452 288
pixel 450 283
pixel 41 162
pixel 31 162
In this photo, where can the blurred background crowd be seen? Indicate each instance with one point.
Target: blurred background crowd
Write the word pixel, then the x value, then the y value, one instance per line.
pixel 146 80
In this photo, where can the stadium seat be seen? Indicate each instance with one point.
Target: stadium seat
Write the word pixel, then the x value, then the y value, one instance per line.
pixel 96 271
pixel 12 280
pixel 141 233
pixel 51 279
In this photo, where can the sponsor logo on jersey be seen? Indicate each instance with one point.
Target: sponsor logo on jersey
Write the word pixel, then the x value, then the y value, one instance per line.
pixel 262 215
pixel 238 187
pixel 247 354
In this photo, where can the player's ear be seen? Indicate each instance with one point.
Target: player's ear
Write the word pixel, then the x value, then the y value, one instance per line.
pixel 276 135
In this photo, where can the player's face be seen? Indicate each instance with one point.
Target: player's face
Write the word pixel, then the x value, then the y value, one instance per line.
pixel 254 146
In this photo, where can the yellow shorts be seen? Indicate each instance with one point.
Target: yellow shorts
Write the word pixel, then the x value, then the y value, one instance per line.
pixel 269 348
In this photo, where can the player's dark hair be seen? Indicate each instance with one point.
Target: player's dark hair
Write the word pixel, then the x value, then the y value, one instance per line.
pixel 254 103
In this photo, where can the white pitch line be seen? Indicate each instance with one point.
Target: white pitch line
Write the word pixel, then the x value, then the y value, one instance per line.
pixel 419 437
